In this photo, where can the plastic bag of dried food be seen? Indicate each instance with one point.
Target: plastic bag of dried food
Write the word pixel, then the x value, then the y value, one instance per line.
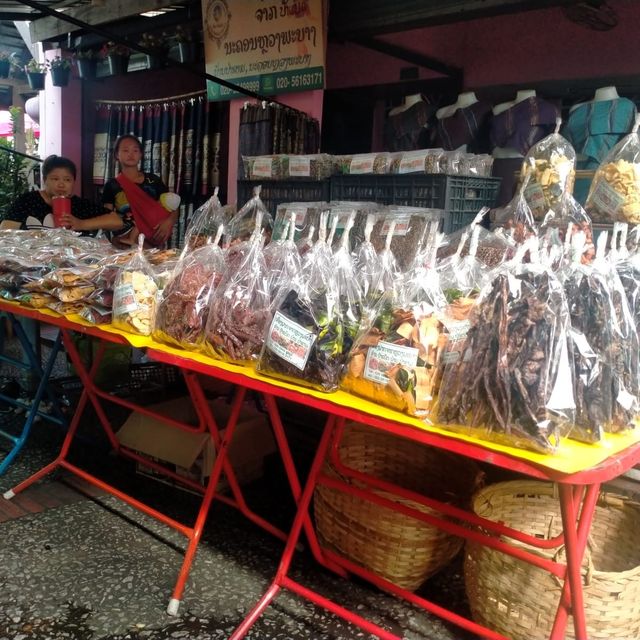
pixel 550 169
pixel 363 163
pixel 135 295
pixel 615 190
pixel 515 220
pixel 366 261
pixel 184 304
pixel 493 249
pixel 569 218
pixel 463 275
pixel 304 342
pixel 283 261
pixel 305 243
pixel 419 161
pixel 605 345
pixel 264 167
pixel 394 359
pixel 307 214
pixel 240 307
pixel 318 166
pixel 513 384
pixel 242 226
pixel 205 222
pixel 412 226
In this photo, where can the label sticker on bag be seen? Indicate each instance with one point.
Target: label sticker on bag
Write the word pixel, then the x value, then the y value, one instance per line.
pixel 403 223
pixel 290 341
pixel 299 166
pixel 606 198
pixel 412 162
pixel 384 357
pixel 534 195
pixel 263 167
pixel 362 164
pixel 124 300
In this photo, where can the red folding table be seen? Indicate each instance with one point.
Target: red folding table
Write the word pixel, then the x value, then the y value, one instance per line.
pixel 578 482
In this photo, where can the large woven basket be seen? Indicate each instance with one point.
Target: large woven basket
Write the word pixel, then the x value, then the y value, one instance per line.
pixel 396 547
pixel 519 600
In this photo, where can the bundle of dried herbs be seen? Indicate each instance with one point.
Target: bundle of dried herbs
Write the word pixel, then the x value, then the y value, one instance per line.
pixel 514 381
pixel 184 306
pixel 240 307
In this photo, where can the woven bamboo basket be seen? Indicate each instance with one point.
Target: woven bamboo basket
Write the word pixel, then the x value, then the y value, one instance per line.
pixel 396 547
pixel 519 600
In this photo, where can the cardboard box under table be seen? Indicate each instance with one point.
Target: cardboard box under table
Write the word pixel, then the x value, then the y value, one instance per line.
pixel 192 455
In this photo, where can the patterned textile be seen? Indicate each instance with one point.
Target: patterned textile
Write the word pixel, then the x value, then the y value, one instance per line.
pixel 467 126
pixel 523 124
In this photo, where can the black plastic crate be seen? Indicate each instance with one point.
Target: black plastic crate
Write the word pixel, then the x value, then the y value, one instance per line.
pixel 460 196
pixel 274 192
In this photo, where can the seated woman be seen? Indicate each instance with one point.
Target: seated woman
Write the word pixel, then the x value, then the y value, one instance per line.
pixel 141 200
pixel 33 210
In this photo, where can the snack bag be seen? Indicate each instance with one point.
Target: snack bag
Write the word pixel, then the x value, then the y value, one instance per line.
pixel 394 358
pixel 205 222
pixel 366 262
pixel 135 295
pixel 283 261
pixel 241 227
pixel 513 384
pixel 184 303
pixel 304 342
pixel 615 190
pixel 241 306
pixel 549 170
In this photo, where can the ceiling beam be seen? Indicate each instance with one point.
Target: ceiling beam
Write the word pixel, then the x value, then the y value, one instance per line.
pixel 427 62
pixel 366 18
pixel 51 27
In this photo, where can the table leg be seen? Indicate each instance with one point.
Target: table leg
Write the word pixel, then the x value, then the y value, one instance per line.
pixel 576 524
pixel 294 535
pixel 209 494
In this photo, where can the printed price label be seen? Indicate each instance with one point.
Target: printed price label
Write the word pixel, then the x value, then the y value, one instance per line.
pixel 300 216
pixel 124 300
pixel 385 356
pixel 412 162
pixel 402 226
pixel 534 195
pixel 299 166
pixel 606 198
pixel 362 164
pixel 456 339
pixel 290 341
pixel 263 167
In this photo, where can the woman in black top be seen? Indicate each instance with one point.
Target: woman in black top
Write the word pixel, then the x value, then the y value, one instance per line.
pixel 33 210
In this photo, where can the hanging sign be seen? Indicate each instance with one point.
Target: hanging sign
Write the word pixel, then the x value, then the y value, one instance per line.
pixel 266 46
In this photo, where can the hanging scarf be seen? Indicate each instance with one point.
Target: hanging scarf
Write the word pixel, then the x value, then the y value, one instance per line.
pixel 147 212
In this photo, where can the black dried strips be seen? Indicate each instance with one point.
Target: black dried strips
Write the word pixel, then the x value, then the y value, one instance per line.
pixel 505 381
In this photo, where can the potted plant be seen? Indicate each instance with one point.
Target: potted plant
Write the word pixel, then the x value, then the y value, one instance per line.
pixel 5 64
pixel 35 74
pixel 60 68
pixel 158 46
pixel 185 44
pixel 117 57
pixel 87 62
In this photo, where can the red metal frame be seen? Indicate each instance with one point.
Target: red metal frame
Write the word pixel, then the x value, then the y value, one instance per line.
pixel 578 492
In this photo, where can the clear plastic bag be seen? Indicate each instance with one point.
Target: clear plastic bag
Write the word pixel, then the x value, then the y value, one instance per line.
pixel 463 276
pixel 366 261
pixel 615 191
pixel 605 345
pixel 184 304
pixel 242 225
pixel 307 215
pixel 394 359
pixel 550 169
pixel 240 307
pixel 515 220
pixel 135 295
pixel 318 166
pixel 569 218
pixel 363 163
pixel 205 222
pixel 513 384
pixel 304 342
pixel 282 261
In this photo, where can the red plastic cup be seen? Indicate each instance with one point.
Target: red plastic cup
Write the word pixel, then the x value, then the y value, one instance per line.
pixel 60 206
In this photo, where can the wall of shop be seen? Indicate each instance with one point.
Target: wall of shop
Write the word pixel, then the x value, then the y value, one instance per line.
pixel 524 48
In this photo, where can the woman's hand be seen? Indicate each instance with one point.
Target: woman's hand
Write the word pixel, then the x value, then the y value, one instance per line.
pixel 71 222
pixel 162 231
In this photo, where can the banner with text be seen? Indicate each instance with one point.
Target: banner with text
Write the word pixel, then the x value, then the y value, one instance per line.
pixel 266 46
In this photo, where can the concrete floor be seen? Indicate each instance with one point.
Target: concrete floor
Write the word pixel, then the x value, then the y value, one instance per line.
pixel 96 569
